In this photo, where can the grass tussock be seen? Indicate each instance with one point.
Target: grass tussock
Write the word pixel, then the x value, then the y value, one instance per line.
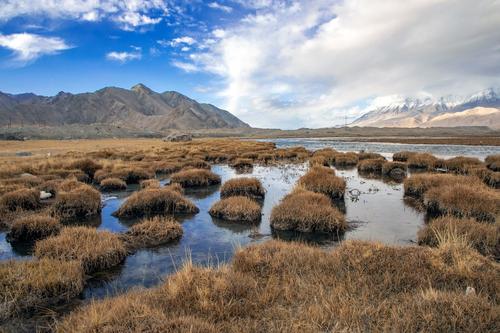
pixel 166 167
pixel 318 160
pixel 33 227
pixel 290 287
pixel 422 161
pixel 152 232
pixel 460 164
pixel 113 184
pixel 493 162
pixel 237 208
pixel 22 199
pixel 307 211
pixel 244 186
pixel 30 284
pixel 242 163
pixel 395 170
pixel 483 237
pixel 152 202
pixel 462 200
pixel 370 156
pixel 78 202
pixel 96 250
pixel 87 165
pixel 346 159
pixel 402 156
pixel 489 177
pixel 418 184
pixel 195 178
pixel 323 180
pixel 150 183
pixel 371 165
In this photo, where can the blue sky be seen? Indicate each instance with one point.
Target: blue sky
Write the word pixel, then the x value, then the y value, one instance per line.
pixel 273 63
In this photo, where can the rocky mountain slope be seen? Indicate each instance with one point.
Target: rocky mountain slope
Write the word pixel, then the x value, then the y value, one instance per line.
pixel 481 109
pixel 139 108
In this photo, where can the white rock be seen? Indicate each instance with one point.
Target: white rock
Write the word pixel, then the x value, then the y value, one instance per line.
pixel 45 195
pixel 470 291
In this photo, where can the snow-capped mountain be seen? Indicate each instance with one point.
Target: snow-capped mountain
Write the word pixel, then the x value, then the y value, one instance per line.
pixel 480 109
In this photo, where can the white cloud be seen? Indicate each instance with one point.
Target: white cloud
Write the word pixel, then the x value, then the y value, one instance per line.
pixel 311 63
pixel 28 47
pixel 182 40
pixel 224 8
pixel 128 13
pixel 123 57
pixel 185 66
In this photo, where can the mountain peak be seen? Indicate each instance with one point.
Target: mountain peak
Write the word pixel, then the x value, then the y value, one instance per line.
pixel 141 88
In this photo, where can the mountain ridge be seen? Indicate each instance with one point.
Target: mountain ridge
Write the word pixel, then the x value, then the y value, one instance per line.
pixel 138 108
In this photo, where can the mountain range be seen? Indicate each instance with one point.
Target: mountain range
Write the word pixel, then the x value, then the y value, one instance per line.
pixel 480 109
pixel 139 108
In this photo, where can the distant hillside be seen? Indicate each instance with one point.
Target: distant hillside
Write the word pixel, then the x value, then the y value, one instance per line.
pixel 139 108
pixel 480 109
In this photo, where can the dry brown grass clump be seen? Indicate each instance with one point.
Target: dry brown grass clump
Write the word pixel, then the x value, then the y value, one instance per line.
pixel 325 154
pixel 237 208
pixel 396 170
pixel 246 186
pixel 402 156
pixel 483 237
pixel 318 160
pixel 166 167
pixel 113 184
pixel 152 232
pixel 460 164
pixel 463 200
pixel 195 178
pixel 176 187
pixel 196 164
pixel 371 165
pixel 22 199
pixel 290 287
pixel 33 227
pixel 150 183
pixel 86 165
pixel 79 202
pixel 346 159
pixel 370 156
pixel 422 161
pixel 151 202
pixel 96 250
pixel 129 174
pixel 323 180
pixel 242 163
pixel 489 177
pixel 418 184
pixel 493 162
pixel 29 284
pixel 306 211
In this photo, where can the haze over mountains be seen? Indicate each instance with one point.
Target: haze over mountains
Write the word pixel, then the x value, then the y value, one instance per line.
pixel 480 109
pixel 139 108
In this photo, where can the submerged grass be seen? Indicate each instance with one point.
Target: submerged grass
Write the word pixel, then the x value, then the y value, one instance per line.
pixel 237 208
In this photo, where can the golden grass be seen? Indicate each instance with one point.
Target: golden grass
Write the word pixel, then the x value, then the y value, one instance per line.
pixel 396 170
pixel 166 167
pixel 327 154
pixel 371 165
pixel 290 287
pixel 87 165
pixel 307 211
pixel 33 227
pixel 195 178
pixel 483 237
pixel 150 202
pixel 150 183
pixel 462 200
pixel 423 161
pixel 96 250
pixel 489 177
pixel 237 208
pixel 493 162
pixel 30 284
pixel 418 184
pixel 113 184
pixel 323 180
pixel 318 160
pixel 346 159
pixel 370 156
pixel 79 202
pixel 402 156
pixel 242 163
pixel 22 199
pixel 243 186
pixel 152 232
pixel 460 164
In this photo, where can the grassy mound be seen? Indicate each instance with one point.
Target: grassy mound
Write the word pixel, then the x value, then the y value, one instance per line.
pixel 290 287
pixel 29 284
pixel 113 184
pixel 370 156
pixel 237 208
pixel 418 184
pixel 493 162
pixel 246 186
pixel 195 178
pixel 306 211
pixel 96 250
pixel 483 237
pixel 402 156
pixel 422 161
pixel 323 180
pixel 33 227
pixel 460 164
pixel 129 174
pixel 152 232
pixel 396 170
pixel 242 163
pixel 22 199
pixel 88 166
pixel 151 202
pixel 80 201
pixel 462 200
pixel 150 183
pixel 371 165
pixel 346 159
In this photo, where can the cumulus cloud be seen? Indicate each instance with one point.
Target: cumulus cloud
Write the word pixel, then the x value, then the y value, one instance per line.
pixel 128 13
pixel 314 63
pixel 28 47
pixel 181 40
pixel 123 57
